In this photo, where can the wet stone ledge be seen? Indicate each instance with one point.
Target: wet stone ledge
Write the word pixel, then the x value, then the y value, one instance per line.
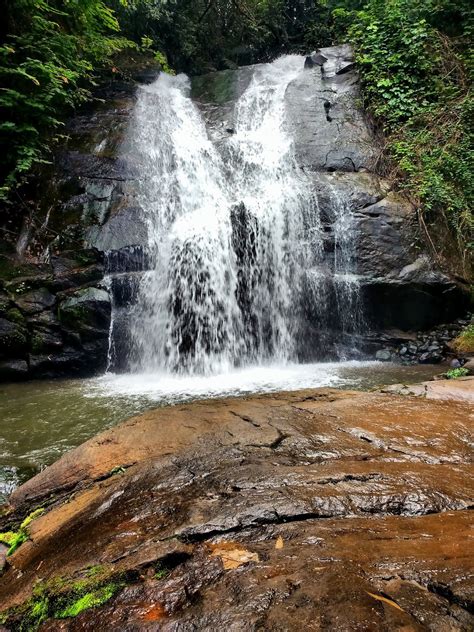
pixel 341 509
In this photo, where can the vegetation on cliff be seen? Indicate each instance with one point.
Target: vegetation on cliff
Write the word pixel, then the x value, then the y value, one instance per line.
pixel 414 60
pixel 49 52
pixel 416 64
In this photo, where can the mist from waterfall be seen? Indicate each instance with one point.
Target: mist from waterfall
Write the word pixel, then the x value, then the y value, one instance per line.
pixel 235 237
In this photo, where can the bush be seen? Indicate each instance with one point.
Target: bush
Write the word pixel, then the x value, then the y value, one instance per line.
pixel 454 374
pixel 47 65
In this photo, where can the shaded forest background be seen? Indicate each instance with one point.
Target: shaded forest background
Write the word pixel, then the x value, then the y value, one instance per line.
pixel 415 60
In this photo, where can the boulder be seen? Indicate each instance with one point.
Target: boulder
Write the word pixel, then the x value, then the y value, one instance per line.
pixel 469 365
pixel 35 301
pixel 13 370
pixel 13 339
pixel 315 59
pixel 87 311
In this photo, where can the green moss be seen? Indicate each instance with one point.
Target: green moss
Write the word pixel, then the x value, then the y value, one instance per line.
pixel 72 315
pixel 29 519
pixel 454 374
pixel 15 539
pixel 63 597
pixel 9 269
pixel 39 610
pixel 93 571
pixel 161 572
pixel 37 343
pixel 15 316
pixel 89 600
pixel 119 469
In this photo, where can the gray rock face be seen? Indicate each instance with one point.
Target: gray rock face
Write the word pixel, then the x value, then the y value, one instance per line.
pixel 329 132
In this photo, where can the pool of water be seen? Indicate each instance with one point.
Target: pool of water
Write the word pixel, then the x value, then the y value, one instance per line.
pixel 41 420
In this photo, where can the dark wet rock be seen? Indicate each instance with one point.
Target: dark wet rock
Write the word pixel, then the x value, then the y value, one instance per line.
pixel 35 301
pixel 430 358
pixel 400 288
pixel 39 344
pixel 87 311
pixel 125 288
pixel 69 360
pixel 128 259
pixel 13 339
pixel 267 512
pixel 315 59
pixel 44 338
pixel 126 227
pixel 431 346
pixel 13 370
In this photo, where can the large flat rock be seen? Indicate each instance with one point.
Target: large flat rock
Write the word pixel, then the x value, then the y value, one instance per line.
pixel 324 509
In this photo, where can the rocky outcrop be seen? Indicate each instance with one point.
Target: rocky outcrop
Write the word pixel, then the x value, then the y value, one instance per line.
pixel 402 286
pixel 92 199
pixel 329 131
pixel 259 513
pixel 55 318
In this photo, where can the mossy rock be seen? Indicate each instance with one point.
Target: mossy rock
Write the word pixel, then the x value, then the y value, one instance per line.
pixel 217 87
pixel 15 316
pixel 64 597
pixel 89 307
pixel 23 284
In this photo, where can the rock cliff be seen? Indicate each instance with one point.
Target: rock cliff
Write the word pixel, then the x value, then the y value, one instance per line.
pixel 91 202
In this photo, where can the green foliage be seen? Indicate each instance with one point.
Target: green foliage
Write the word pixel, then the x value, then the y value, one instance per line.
pixel 414 61
pixel 204 35
pixel 47 64
pixel 14 539
pixel 453 374
pixel 161 572
pixel 465 341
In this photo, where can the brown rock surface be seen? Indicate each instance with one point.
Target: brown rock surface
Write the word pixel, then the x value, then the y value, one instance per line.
pixel 317 510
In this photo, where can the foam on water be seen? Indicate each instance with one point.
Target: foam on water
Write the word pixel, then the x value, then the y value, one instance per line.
pixel 167 388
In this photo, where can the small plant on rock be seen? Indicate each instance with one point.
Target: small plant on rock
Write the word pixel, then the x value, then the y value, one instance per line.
pixel 454 374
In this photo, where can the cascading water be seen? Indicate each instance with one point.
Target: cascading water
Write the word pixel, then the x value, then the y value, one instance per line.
pixel 234 233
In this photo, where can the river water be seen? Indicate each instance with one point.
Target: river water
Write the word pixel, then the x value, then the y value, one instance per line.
pixel 43 419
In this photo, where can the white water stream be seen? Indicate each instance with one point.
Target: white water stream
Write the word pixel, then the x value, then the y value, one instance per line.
pixel 234 233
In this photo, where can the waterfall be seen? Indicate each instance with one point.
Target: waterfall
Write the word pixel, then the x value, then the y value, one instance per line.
pixel 235 237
